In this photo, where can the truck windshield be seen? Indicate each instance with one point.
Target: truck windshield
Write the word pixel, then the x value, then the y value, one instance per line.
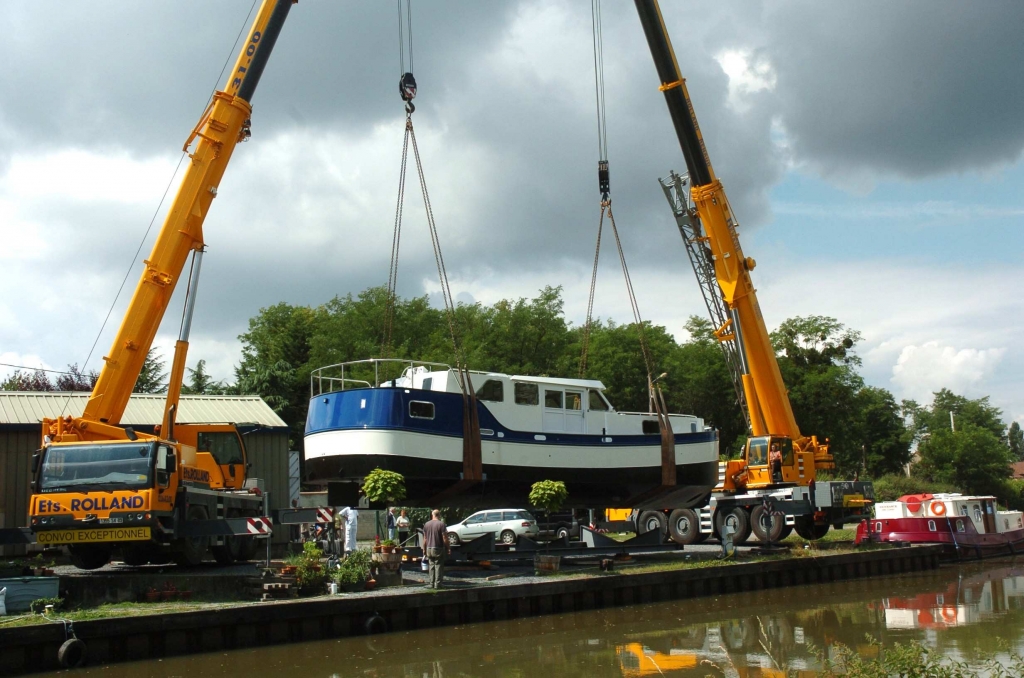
pixel 127 465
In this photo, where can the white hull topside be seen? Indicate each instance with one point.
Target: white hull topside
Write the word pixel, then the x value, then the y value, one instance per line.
pixel 398 443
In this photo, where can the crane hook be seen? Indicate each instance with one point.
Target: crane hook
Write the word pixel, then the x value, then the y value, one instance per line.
pixel 407 88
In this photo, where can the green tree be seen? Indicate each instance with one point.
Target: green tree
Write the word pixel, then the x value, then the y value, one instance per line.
pixel 971 458
pixel 978 412
pixel 201 383
pixel 152 376
pixel 1015 438
pixel 880 431
pixel 819 368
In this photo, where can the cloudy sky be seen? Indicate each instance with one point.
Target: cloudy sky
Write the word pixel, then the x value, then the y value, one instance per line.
pixel 872 152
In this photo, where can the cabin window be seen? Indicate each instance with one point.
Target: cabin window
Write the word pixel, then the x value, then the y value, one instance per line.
pixel 492 390
pixel 931 525
pixel 1006 523
pixel 651 427
pixel 963 509
pixel 419 409
pixel 977 513
pixel 574 400
pixel 427 383
pixel 553 399
pixel 878 527
pixel 596 402
pixel 527 394
pixel 959 526
pixel 758 452
pixel 223 446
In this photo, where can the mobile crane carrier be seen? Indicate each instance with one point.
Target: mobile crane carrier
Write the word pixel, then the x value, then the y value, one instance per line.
pixel 102 488
pixel 748 497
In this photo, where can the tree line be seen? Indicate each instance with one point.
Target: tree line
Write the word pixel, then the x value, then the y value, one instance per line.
pixel 959 443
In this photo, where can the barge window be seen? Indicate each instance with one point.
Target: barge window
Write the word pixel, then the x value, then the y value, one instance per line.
pixel 931 525
pixel 427 383
pixel 959 526
pixel 596 402
pixel 574 400
pixel 963 509
pixel 651 427
pixel 419 409
pixel 492 390
pixel 553 399
pixel 527 394
pixel 878 527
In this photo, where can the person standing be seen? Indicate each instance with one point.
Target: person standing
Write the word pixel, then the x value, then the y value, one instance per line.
pixel 391 523
pixel 351 518
pixel 775 458
pixel 402 522
pixel 435 545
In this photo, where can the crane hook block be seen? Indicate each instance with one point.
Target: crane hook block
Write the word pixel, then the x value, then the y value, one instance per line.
pixel 407 87
pixel 603 178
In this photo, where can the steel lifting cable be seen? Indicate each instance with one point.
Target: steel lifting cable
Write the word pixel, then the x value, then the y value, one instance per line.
pixel 407 90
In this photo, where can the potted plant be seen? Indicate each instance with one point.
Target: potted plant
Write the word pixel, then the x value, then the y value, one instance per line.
pixel 354 571
pixel 548 495
pixel 309 574
pixel 388 546
pixel 152 595
pixel 382 487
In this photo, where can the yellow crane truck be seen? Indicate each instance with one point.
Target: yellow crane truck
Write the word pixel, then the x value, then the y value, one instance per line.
pixel 101 488
pixel 752 494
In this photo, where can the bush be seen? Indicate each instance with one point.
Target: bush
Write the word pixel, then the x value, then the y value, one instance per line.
pixel 354 568
pixel 548 495
pixel 382 486
pixel 892 486
pixel 310 574
pixel 39 604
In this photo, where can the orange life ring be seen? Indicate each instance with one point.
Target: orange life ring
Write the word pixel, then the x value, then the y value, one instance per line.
pixel 948 613
pixel 938 508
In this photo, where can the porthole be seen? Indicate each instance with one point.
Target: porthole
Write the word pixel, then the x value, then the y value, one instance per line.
pixel 419 409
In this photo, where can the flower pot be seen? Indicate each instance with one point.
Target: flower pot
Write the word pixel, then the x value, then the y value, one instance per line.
pixel 288 569
pixel 378 549
pixel 387 549
pixel 168 595
pixel 152 596
pixel 542 563
pixel 370 583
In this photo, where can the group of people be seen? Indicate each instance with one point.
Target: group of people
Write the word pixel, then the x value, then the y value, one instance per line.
pixel 435 537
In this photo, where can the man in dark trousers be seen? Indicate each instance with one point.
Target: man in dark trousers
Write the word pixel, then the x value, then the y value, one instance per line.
pixel 435 546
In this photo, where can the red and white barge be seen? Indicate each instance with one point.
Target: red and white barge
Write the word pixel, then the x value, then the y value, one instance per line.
pixel 967 526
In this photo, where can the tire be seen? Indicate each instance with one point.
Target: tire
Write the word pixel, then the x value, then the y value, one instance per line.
pixel 684 526
pixel 72 653
pixel 89 557
pixel 765 526
pixel 189 551
pixel 508 537
pixel 786 531
pixel 135 556
pixel 653 520
pixel 236 548
pixel 740 520
pixel 806 528
pixel 562 533
pixel 453 539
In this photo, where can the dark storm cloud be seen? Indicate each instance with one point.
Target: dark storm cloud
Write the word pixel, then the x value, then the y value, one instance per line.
pixel 912 88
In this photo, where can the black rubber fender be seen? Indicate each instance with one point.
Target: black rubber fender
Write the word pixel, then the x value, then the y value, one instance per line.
pixel 72 653
pixel 375 624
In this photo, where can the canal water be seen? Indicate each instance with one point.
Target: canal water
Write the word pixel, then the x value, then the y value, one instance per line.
pixel 968 612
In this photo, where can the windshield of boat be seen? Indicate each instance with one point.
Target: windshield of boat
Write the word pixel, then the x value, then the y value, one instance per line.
pixel 123 465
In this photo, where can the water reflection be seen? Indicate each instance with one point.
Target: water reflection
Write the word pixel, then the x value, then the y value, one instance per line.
pixel 956 611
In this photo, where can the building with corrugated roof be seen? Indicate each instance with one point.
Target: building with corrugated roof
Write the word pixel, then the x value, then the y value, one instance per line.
pixel 21 415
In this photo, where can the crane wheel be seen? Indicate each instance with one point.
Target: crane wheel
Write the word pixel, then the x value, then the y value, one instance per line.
pixel 766 527
pixel 806 528
pixel 786 531
pixel 740 521
pixel 189 551
pixel 651 521
pixel 684 526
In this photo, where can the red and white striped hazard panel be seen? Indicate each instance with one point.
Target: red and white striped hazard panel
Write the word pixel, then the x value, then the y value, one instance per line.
pixel 259 525
pixel 325 515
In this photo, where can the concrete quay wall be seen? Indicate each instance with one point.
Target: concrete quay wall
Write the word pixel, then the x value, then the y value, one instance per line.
pixel 34 648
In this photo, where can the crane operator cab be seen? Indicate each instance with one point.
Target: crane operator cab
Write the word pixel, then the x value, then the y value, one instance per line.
pixel 769 461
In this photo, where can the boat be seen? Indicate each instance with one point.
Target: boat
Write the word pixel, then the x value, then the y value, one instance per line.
pixel 529 429
pixel 967 526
